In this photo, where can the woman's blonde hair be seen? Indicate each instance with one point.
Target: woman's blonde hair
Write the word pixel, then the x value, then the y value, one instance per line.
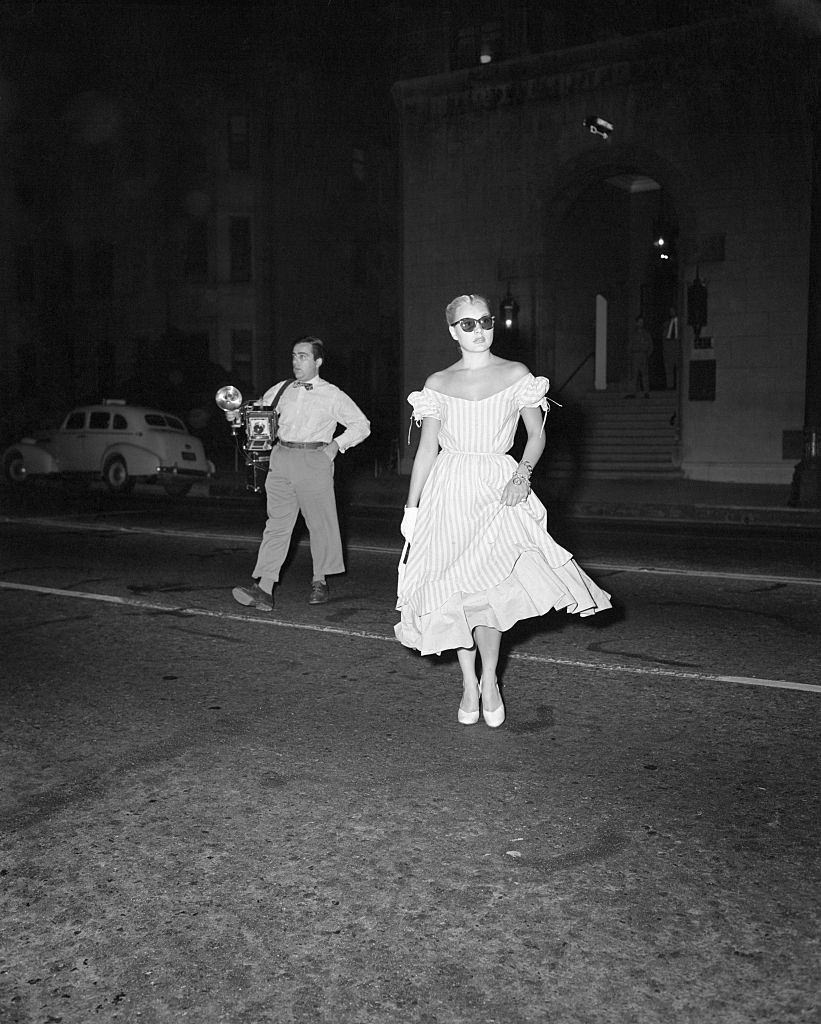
pixel 462 300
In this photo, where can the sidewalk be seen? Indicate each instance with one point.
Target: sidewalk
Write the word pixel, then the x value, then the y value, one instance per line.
pixel 671 499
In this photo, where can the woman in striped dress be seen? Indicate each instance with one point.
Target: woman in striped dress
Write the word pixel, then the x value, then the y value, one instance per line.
pixel 479 557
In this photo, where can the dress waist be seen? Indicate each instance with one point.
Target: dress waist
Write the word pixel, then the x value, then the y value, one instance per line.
pixel 460 451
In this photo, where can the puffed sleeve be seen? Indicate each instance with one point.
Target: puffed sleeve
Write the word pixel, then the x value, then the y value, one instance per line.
pixel 425 403
pixel 532 393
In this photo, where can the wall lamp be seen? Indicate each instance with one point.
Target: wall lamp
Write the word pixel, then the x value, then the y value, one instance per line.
pixel 509 310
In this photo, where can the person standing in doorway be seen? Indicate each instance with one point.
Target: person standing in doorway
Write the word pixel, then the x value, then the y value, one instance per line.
pixel 301 475
pixel 641 346
pixel 670 349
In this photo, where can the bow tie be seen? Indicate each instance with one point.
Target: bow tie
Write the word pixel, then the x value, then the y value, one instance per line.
pixel 303 384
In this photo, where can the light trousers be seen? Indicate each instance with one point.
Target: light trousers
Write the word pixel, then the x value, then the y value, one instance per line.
pixel 299 480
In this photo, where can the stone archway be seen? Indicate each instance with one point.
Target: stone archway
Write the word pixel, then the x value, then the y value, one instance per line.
pixel 599 231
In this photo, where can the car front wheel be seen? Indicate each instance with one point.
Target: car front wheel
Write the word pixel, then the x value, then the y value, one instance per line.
pixel 14 468
pixel 116 476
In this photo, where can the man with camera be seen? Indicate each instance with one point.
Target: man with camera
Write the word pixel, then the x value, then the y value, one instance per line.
pixel 301 475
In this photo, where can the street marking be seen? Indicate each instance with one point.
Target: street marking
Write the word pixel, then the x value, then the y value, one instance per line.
pixel 612 667
pixel 395 550
pixel 750 577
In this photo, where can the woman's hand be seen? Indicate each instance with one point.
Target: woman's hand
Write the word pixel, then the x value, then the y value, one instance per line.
pixel 516 490
pixel 408 523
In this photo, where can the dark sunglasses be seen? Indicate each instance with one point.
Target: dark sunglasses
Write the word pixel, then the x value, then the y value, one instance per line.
pixel 468 323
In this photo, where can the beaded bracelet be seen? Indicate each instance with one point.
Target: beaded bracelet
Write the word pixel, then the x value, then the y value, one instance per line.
pixel 517 478
pixel 525 467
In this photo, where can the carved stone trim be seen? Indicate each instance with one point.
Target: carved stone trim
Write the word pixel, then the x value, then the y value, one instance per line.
pixel 744 48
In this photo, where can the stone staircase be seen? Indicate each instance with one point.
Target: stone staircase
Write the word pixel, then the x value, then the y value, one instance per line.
pixel 606 436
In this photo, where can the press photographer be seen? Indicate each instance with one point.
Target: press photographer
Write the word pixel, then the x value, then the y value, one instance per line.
pixel 292 428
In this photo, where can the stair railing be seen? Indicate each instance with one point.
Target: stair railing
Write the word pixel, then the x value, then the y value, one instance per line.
pixel 590 355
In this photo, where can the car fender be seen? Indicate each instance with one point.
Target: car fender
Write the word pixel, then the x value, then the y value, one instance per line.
pixel 36 458
pixel 140 461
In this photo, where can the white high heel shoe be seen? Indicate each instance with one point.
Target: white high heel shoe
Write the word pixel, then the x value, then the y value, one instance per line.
pixel 493 718
pixel 469 717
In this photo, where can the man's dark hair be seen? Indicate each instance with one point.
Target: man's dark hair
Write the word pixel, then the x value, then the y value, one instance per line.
pixel 316 344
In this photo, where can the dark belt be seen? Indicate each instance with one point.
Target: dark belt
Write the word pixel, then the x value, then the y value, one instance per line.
pixel 303 444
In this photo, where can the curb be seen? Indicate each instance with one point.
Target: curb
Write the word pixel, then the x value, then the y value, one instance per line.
pixel 373 499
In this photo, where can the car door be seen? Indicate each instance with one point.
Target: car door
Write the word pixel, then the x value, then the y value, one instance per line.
pixel 68 442
pixel 97 440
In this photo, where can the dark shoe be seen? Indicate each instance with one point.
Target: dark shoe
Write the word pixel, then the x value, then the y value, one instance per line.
pixel 319 592
pixel 254 597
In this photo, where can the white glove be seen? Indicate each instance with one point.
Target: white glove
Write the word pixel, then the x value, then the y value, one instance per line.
pixel 408 523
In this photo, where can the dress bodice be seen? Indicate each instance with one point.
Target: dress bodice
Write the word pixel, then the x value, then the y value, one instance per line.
pixel 480 426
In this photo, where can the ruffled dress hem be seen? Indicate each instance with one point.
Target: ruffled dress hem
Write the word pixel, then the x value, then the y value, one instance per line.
pixel 533 588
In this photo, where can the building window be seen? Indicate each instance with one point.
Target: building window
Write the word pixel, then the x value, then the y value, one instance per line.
pixel 239 150
pixel 358 164
pixel 27 368
pixel 242 357
pixel 106 365
pixel 490 46
pixel 465 49
pixel 359 264
pixel 61 284
pixel 134 154
pixel 100 279
pixel 240 245
pixel 24 265
pixel 478 44
pixel 196 251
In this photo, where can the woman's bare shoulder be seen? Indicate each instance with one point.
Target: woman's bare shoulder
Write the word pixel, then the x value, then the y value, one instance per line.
pixel 513 370
pixel 437 381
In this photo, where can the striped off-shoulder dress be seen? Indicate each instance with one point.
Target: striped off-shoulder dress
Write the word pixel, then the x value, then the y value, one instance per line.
pixel 473 560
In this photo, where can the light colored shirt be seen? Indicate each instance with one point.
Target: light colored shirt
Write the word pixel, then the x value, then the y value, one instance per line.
pixel 313 415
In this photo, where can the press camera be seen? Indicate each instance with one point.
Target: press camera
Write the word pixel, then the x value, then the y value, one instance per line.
pixel 255 431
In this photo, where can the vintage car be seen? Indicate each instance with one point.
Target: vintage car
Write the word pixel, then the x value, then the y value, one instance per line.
pixel 117 443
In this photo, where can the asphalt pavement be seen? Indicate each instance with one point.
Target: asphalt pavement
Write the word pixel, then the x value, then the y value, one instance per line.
pixel 217 815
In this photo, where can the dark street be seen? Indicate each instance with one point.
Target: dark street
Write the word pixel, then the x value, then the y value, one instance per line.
pixel 426 272
pixel 219 815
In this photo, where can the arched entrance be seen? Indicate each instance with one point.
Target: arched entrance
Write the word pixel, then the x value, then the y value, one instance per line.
pixel 614 242
pixel 620 239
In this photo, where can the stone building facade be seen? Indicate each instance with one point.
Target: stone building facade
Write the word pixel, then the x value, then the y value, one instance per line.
pixel 511 185
pixel 186 190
